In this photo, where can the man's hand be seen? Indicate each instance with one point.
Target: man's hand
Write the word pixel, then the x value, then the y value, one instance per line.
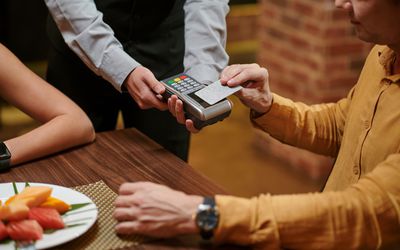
pixel 155 210
pixel 175 106
pixel 145 89
pixel 254 79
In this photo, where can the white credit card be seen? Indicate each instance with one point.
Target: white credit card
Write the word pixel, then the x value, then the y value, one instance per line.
pixel 215 92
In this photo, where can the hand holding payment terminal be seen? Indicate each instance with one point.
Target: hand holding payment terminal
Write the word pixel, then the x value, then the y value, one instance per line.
pixel 200 112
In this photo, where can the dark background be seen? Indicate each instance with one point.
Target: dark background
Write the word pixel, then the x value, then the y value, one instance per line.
pixel 22 27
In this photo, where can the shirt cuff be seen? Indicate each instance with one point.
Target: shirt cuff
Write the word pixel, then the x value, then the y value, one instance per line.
pixel 116 66
pixel 205 74
pixel 246 221
pixel 280 107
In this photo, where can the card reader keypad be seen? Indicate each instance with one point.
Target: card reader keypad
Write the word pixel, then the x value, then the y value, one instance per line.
pixel 196 109
pixel 184 84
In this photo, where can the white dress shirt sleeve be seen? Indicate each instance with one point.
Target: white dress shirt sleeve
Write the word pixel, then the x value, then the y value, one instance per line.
pixel 85 32
pixel 205 39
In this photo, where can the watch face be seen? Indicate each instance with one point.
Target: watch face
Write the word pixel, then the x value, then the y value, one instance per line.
pixel 4 153
pixel 207 218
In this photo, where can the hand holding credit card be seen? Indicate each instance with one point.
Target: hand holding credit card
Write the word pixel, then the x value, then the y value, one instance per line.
pixel 215 92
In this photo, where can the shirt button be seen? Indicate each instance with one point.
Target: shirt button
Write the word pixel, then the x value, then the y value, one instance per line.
pixel 386 81
pixel 355 171
pixel 366 124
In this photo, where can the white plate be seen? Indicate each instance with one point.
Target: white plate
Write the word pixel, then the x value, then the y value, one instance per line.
pixel 85 216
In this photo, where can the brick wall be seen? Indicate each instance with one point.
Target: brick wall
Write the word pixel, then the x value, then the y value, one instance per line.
pixel 242 40
pixel 313 56
pixel 242 22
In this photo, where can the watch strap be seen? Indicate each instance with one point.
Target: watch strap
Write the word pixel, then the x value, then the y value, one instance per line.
pixel 209 201
pixel 5 157
pixel 208 234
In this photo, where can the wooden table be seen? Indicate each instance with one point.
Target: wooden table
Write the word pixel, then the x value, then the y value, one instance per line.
pixel 117 157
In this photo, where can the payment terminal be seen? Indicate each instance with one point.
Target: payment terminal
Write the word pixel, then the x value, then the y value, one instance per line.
pixel 196 109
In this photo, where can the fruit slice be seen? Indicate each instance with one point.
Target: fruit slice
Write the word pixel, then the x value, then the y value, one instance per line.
pixel 3 231
pixel 59 205
pixel 17 211
pixel 9 200
pixel 31 196
pixel 24 230
pixel 48 218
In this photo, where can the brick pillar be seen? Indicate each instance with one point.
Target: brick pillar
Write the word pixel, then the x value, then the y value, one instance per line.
pixel 242 40
pixel 313 56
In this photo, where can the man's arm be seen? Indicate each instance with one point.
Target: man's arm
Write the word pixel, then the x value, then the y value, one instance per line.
pixel 318 128
pixel 85 32
pixel 364 216
pixel 205 38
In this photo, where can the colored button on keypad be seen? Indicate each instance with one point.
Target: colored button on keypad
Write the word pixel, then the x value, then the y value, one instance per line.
pixel 184 83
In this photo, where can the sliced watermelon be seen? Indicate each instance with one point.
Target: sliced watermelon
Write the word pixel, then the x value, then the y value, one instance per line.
pixel 48 218
pixel 3 231
pixel 24 230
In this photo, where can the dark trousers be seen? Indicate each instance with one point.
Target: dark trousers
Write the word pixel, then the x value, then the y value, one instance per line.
pixel 102 102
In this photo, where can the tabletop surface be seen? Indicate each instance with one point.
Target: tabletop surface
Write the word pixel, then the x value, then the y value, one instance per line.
pixel 117 157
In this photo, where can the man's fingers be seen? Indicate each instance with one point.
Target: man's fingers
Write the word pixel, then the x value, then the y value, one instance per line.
pixel 124 201
pixel 126 213
pixel 247 75
pixel 171 107
pixel 175 107
pixel 242 73
pixel 146 89
pixel 148 77
pixel 132 187
pixel 127 227
pixel 154 84
pixel 171 104
pixel 230 72
pixel 190 126
pixel 180 115
pixel 160 97
pixel 148 99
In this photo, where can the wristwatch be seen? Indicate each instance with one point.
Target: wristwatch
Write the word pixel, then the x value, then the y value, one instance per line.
pixel 5 156
pixel 207 217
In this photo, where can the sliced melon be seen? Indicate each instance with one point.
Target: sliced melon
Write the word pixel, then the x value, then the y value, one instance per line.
pixel 59 205
pixel 31 196
pixel 13 212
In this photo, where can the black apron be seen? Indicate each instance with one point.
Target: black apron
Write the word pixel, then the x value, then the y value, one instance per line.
pixel 152 32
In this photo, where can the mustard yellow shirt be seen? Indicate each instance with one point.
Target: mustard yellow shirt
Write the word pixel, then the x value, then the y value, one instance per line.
pixel 360 206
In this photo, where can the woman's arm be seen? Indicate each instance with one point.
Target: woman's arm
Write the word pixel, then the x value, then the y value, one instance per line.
pixel 64 123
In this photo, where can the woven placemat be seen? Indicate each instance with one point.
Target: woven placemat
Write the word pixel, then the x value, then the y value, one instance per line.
pixel 102 234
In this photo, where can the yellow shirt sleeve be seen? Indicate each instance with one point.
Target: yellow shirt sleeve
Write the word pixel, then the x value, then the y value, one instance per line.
pixel 364 216
pixel 318 128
